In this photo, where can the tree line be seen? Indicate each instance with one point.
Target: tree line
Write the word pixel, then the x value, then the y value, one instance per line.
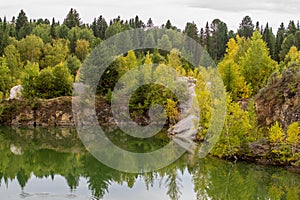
pixel 45 57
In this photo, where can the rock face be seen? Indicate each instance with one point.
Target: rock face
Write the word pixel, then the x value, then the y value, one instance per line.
pixel 280 99
pixel 186 128
pixel 52 112
pixel 15 92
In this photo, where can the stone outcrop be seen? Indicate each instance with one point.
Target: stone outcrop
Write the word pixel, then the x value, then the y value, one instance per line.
pixel 15 92
pixel 186 129
pixel 51 112
pixel 280 99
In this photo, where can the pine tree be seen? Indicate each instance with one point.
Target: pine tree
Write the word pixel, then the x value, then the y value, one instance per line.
pixel 206 36
pixel 168 24
pixel 288 42
pixel 279 40
pixel 21 21
pixel 72 19
pixel 291 29
pixel 73 41
pixel 150 23
pixel 99 27
pixel 269 38
pixel 191 30
pixel 52 29
pixel 246 27
pixel 218 39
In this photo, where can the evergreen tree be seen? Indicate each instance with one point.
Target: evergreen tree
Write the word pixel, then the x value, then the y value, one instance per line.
pixel 150 23
pixel 168 24
pixel 113 29
pixel 288 42
pixel 218 39
pixel 291 29
pixel 26 30
pixel 72 19
pixel 73 41
pixel 297 39
pixel 21 21
pixel 52 29
pixel 257 28
pixel 269 38
pixel 191 30
pixel 246 27
pixel 4 37
pixel 99 27
pixel 206 42
pixel 279 40
pixel 201 37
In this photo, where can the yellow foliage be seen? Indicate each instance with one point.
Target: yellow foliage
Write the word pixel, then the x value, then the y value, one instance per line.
pixel 293 56
pixel 172 111
pixel 293 134
pixel 276 134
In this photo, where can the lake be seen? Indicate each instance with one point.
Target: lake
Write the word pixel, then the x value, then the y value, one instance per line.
pixel 53 164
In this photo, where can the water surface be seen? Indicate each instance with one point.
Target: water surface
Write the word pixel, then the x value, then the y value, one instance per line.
pixel 53 164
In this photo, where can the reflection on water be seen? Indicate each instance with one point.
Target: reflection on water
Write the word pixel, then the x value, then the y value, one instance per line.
pixel 53 164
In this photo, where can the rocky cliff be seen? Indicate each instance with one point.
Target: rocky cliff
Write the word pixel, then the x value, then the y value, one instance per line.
pixel 51 112
pixel 280 99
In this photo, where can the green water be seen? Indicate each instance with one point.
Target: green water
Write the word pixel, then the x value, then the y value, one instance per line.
pixel 53 164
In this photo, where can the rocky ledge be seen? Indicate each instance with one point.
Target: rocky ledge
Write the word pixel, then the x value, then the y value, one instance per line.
pixel 280 99
pixel 51 112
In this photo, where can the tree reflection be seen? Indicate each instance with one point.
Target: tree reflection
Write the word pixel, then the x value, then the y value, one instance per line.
pixel 212 178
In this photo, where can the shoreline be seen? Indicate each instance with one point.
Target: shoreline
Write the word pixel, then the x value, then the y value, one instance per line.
pixel 58 113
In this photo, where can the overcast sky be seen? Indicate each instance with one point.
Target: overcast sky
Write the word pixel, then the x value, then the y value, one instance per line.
pixel 178 11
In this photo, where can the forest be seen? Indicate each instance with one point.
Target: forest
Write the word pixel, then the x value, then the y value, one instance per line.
pixel 45 56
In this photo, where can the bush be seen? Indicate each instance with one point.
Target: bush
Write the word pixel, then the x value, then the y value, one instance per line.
pixel 48 83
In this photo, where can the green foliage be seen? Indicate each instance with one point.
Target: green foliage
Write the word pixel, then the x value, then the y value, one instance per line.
pixel 21 21
pixel 284 146
pixel 231 71
pixel 54 53
pixel 269 38
pixel 13 61
pixel 82 49
pixel 191 30
pixel 257 64
pixel 236 134
pixel 50 82
pixel 73 64
pixel 42 31
pixel 164 42
pixel 72 19
pixel 233 80
pixel 5 79
pixel 30 48
pixel 114 29
pixel 246 27
pixel 77 33
pixel 218 39
pixel 99 27
pixel 287 43
pixel 29 79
